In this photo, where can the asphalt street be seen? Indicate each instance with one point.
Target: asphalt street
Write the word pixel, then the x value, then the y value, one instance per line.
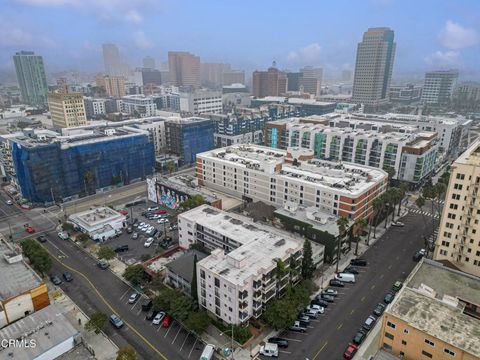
pixel 389 260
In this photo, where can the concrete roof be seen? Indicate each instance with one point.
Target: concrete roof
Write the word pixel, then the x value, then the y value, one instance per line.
pixel 183 266
pixel 15 278
pixel 96 217
pixel 474 150
pixel 48 326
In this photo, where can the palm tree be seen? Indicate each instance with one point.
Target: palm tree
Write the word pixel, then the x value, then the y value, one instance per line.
pixel 377 205
pixel 387 199
pixel 395 196
pixel 342 224
pixel 358 227
pixel 403 191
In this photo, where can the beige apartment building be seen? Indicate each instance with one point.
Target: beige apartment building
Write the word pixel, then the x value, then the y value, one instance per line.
pixel 458 239
pixel 67 109
pixel 113 85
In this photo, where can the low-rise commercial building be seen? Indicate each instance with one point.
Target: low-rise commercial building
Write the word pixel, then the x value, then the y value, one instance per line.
pixel 138 105
pixel 201 101
pixel 99 223
pixel 436 315
pixel 275 176
pixel 22 291
pixel 46 334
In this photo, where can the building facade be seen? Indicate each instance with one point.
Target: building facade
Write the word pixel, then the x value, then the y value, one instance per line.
pixel 114 65
pixel 46 167
pixel 233 77
pixel 311 80
pixel 94 107
pixel 114 85
pixel 405 93
pixel 439 85
pixel 31 77
pixel 67 109
pixel 458 238
pixel 468 92
pixel 272 82
pixel 436 315
pixel 184 69
pixel 201 101
pixel 273 176
pixel 138 105
pixel 373 67
pixel 186 137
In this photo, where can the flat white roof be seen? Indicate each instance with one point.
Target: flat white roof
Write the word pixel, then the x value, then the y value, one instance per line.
pixel 96 217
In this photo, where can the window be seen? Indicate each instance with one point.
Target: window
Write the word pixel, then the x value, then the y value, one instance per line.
pixel 392 325
pixel 404 342
pixel 388 335
pixel 387 347
pixel 449 352
pixel 424 353
pixel 405 331
pixel 429 342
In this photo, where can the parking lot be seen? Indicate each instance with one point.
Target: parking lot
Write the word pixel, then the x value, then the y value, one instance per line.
pixel 136 249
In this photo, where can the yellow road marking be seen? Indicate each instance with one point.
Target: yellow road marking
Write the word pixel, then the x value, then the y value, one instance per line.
pixel 108 305
pixel 372 287
pixel 339 326
pixel 351 312
pixel 362 299
pixel 319 351
pixel 381 276
pixel 389 266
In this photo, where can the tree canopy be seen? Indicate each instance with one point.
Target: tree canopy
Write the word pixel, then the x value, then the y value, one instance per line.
pixel 38 256
pixel 105 252
pixel 97 322
pixel 135 274
pixel 126 353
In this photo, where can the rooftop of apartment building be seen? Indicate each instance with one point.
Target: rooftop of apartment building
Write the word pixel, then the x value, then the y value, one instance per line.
pixel 260 245
pixel 434 301
pixel 294 101
pixel 407 118
pixel 343 177
pixel 113 124
pixel 15 276
pixel 187 120
pixel 471 155
pixel 48 327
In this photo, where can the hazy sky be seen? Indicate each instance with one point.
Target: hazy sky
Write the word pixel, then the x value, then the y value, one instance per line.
pixel 248 34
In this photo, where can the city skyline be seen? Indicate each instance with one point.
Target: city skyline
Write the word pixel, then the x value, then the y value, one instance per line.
pixel 449 36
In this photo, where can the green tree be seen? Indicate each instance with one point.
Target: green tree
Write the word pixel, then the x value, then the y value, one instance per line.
pixel 198 322
pixel 390 171
pixel 126 353
pixel 307 261
pixel 105 252
pixel 67 227
pixel 193 289
pixel 377 205
pixel 82 237
pixel 402 193
pixel 38 256
pixel 135 274
pixel 395 197
pixel 387 200
pixel 358 227
pixel 170 165
pixel 342 224
pixel 97 322
pixel 194 201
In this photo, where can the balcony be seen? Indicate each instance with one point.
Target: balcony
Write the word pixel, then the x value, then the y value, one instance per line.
pixel 242 305
pixel 257 304
pixel 267 296
pixel 243 315
pixel 242 294
pixel 257 294
pixel 267 286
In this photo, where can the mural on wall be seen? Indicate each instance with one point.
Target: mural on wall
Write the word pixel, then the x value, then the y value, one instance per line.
pixel 151 193
pixel 170 198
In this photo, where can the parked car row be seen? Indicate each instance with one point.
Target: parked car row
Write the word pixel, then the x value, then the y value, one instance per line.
pixel 370 321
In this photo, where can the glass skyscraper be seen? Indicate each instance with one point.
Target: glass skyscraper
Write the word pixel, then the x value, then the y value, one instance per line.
pixel 31 77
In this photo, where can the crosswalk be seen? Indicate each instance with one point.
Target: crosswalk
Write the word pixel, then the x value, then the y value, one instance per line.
pixel 425 213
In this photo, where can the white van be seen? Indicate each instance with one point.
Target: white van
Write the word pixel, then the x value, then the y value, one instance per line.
pixel 269 350
pixel 345 277
pixel 207 353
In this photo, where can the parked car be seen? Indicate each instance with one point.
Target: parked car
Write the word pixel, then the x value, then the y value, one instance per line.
pixel 388 298
pixel 9 202
pixel 158 318
pixel 358 262
pixel 269 350
pixel 42 238
pixel 151 315
pixel 148 242
pixel 298 327
pixel 55 280
pixel 281 342
pixel 350 351
pixel 129 230
pixel 304 319
pixel 154 208
pixel 135 236
pixel 67 276
pixel 397 286
pixel 337 283
pixel 116 321
pixel 121 248
pixel 310 313
pixel 330 291
pixel 29 229
pixel 133 298
pixel 147 305
pixel 314 307
pixel 161 221
pixel 327 298
pixel 63 235
pixel 351 270
pixel 419 255
pixel 379 309
pixel 368 324
pixel 166 321
pixel 320 302
pixel 102 264
pixel 161 211
pixel 345 277
pixel 398 224
pixel 359 337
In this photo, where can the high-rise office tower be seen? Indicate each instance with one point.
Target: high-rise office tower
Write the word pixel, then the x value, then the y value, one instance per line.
pixel 67 109
pixel 184 69
pixel 373 67
pixel 113 61
pixel 272 82
pixel 294 81
pixel 211 74
pixel 438 87
pixel 31 77
pixel 458 240
pixel 311 80
pixel 149 62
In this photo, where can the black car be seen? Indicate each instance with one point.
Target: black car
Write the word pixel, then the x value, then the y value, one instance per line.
pixel 282 343
pixel 129 230
pixel 359 337
pixel 327 298
pixel 67 276
pixel 55 280
pixel 320 302
pixel 121 248
pixel 379 309
pixel 42 238
pixel 358 262
pixel 147 305
pixel 151 315
pixel 154 232
pixel 351 270
pixel 388 298
pixel 335 282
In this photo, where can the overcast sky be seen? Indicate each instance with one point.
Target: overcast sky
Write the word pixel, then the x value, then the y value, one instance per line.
pixel 249 34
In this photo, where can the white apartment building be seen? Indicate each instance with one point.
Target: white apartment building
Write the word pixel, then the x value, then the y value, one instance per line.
pixel 410 152
pixel 458 238
pixel 239 277
pixel 139 105
pixel 438 86
pixel 201 101
pixel 276 176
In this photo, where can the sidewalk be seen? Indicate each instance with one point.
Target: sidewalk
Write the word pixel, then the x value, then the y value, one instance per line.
pixel 98 344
